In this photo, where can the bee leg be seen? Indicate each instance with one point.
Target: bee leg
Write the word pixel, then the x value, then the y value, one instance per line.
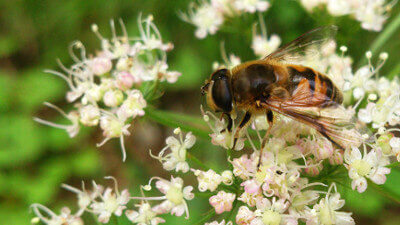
pixel 270 119
pixel 243 123
pixel 230 123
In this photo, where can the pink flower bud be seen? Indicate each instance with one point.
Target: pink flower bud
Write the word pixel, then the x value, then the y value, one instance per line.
pixel 222 202
pixel 101 65
pixel 337 157
pixel 125 80
pixel 313 168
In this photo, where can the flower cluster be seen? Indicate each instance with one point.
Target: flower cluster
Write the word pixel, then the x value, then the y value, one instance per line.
pixel 107 202
pixel 107 88
pixel 371 13
pixel 209 16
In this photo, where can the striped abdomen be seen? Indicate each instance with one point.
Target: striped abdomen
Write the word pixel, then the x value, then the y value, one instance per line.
pixel 321 88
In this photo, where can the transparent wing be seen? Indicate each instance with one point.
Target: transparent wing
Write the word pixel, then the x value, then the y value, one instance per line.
pixel 340 130
pixel 308 44
pixel 329 118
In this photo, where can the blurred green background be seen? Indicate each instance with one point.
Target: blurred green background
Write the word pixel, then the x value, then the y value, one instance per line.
pixel 35 159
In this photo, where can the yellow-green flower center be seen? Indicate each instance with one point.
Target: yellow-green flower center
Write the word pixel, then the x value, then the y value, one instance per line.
pixel 271 218
pixel 326 217
pixel 175 195
pixel 261 173
pixel 362 167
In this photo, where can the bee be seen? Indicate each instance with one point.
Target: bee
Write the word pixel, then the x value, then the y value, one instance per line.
pixel 278 83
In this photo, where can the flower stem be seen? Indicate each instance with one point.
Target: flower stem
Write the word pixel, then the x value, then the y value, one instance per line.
pixel 382 38
pixel 197 161
pixel 393 165
pixel 210 214
pixel 170 119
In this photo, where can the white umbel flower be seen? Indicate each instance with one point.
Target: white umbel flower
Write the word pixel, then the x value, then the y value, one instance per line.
pixel 176 158
pixel 371 165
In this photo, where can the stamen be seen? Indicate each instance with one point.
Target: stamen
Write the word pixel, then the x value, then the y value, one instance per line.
pixel 115 183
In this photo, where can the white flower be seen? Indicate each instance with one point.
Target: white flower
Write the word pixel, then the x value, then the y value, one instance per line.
pixel 365 115
pixel 227 177
pixel 114 127
pixel 85 198
pixel 244 216
pixel 271 213
pixel 209 180
pixel 206 18
pixel 220 135
pixel 221 223
pixel 371 14
pixel 395 144
pixel 176 159
pixel 263 46
pixel 144 216
pixel 224 6
pixel 222 202
pixel 110 202
pixel 132 106
pixel 311 4
pixel 65 217
pixel 251 6
pixel 325 212
pixel 89 115
pixel 113 98
pixel 371 165
pixel 175 196
pixel 339 7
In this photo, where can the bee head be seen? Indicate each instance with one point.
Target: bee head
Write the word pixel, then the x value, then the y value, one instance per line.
pixel 218 91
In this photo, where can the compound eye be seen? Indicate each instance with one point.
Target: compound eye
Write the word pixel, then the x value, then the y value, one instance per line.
pixel 219 74
pixel 221 93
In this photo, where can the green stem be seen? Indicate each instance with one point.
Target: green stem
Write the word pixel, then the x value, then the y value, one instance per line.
pixel 228 217
pixel 197 161
pixel 393 165
pixel 208 216
pixel 383 37
pixel 186 123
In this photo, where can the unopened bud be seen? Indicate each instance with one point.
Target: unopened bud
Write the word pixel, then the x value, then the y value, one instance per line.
pixel 383 55
pixel 113 98
pixel 177 130
pixel 95 28
pixel 368 54
pixel 147 187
